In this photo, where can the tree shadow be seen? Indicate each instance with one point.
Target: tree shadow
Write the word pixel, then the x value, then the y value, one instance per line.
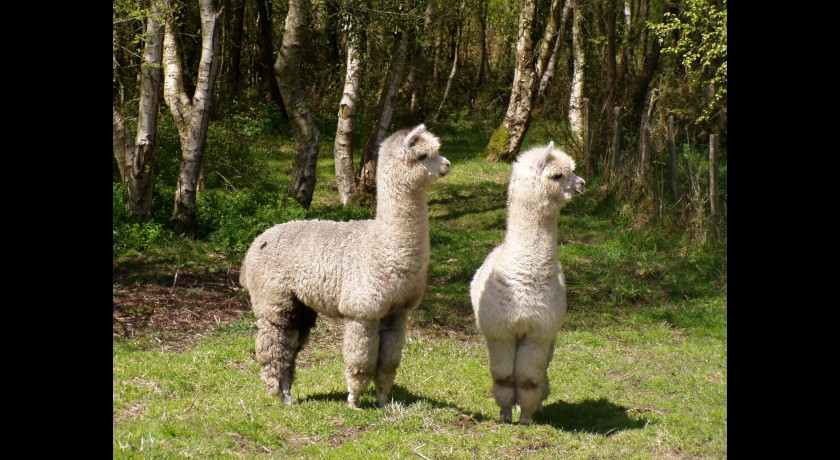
pixel 591 416
pixel 399 395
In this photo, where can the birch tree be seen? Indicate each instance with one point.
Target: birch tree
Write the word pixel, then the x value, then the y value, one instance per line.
pixel 306 134
pixel 507 139
pixel 387 100
pixel 344 172
pixel 136 157
pixel 575 118
pixel 550 68
pixel 192 115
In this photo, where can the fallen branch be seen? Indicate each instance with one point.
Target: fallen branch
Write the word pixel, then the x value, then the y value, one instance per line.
pixel 246 410
pixel 172 290
pixel 419 453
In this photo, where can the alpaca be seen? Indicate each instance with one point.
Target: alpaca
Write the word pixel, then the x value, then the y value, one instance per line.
pixel 370 273
pixel 519 293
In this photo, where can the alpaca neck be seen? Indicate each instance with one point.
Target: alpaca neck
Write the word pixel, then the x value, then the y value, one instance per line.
pixel 402 219
pixel 531 234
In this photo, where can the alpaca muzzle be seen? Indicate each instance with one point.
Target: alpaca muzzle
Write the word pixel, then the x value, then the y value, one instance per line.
pixel 580 186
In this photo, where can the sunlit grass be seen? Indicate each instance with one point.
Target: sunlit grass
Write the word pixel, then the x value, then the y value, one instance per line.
pixel 639 370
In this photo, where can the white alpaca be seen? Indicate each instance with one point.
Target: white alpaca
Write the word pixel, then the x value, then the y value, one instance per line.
pixel 519 294
pixel 370 273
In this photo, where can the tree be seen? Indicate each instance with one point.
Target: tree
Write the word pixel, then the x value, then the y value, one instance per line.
pixel 306 134
pixel 233 32
pixel 344 172
pixel 136 158
pixel 418 72
pixel 192 115
pixel 507 139
pixel 695 34
pixel 455 59
pixel 576 96
pixel 551 65
pixel 387 101
pixel 266 55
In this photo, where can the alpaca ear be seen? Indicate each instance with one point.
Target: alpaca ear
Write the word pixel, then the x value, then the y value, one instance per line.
pixel 412 136
pixel 541 163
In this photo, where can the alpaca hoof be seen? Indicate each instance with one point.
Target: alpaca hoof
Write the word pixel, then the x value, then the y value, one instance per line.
pixel 382 401
pixel 353 402
pixel 525 419
pixel 506 415
pixel 287 400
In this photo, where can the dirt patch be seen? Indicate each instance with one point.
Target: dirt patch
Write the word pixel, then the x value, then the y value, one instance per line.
pixel 178 308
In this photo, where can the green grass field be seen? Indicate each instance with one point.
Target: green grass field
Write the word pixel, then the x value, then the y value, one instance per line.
pixel 639 370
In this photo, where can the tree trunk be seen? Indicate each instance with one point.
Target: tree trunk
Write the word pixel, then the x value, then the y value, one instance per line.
pixel 713 181
pixel 192 116
pixel 551 66
pixel 587 144
pixel 518 113
pixel 455 62
pixel 233 73
pixel 345 174
pixel 575 119
pixel 608 17
pixel 417 77
pixel 137 158
pixel 367 175
pixel 640 82
pixel 615 151
pixel 484 66
pixel 266 45
pixel 672 149
pixel 644 135
pixel 123 144
pixel 306 134
pixel 549 37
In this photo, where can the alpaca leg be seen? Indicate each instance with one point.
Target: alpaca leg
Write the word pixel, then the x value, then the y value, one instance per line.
pixel 361 349
pixel 276 346
pixel 530 371
pixel 301 319
pixel 546 388
pixel 502 355
pixel 391 341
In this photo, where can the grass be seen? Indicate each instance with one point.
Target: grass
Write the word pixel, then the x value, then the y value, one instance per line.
pixel 639 371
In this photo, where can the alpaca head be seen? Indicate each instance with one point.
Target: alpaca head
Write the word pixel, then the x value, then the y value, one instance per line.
pixel 409 160
pixel 544 176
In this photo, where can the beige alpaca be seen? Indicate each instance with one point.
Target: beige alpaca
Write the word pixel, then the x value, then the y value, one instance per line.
pixel 519 294
pixel 370 273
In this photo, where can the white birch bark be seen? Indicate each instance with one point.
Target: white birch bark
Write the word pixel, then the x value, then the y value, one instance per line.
pixel 192 115
pixel 388 98
pixel 306 134
pixel 137 157
pixel 551 66
pixel 519 109
pixel 344 172
pixel 575 118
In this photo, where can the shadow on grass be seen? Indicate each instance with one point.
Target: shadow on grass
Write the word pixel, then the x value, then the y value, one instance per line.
pixel 590 416
pixel 398 394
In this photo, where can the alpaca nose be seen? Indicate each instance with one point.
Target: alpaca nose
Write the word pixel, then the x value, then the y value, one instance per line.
pixel 444 167
pixel 580 185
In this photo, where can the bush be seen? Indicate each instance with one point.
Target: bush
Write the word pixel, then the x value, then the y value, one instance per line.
pixel 230 221
pixel 130 235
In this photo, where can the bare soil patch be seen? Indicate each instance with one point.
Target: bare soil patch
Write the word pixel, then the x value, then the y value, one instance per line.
pixel 175 308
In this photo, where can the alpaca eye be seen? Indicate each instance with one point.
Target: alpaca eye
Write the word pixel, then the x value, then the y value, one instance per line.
pixel 422 157
pixel 557 176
